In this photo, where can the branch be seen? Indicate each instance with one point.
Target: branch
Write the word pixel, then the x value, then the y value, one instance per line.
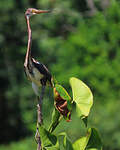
pixel 39 118
pixel 91 5
pixel 39 112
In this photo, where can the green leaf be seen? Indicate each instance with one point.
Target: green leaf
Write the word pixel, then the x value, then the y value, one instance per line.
pixel 64 142
pixel 82 96
pixel 94 142
pixel 55 120
pixel 47 139
pixel 81 143
pixel 91 141
pixel 63 93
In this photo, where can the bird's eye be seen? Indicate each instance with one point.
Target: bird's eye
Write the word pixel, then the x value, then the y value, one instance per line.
pixel 27 14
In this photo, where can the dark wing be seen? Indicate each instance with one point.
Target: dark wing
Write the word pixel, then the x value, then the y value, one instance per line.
pixel 43 70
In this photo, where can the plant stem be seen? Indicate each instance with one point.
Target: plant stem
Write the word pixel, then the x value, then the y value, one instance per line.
pixel 39 123
pixel 39 118
pixel 39 113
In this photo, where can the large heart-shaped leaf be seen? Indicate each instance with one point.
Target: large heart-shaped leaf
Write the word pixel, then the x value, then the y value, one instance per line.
pixel 91 141
pixel 82 96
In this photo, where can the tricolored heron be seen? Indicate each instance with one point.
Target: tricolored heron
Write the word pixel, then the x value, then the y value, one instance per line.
pixel 35 71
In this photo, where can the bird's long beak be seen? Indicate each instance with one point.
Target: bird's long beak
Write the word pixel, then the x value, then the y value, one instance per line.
pixel 41 11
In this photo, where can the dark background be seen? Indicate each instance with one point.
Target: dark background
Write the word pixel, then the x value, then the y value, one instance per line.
pixel 81 38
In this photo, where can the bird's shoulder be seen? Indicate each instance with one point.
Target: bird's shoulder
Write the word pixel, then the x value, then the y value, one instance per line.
pixel 41 67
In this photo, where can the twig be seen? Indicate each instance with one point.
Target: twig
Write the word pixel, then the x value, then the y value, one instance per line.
pixel 39 119
pixel 38 140
pixel 39 122
pixel 39 113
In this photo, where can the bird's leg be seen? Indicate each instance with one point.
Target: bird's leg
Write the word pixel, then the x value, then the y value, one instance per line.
pixel 39 106
pixel 42 94
pixel 39 120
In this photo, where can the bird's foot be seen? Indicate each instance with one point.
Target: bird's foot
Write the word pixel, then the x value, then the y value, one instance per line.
pixel 37 136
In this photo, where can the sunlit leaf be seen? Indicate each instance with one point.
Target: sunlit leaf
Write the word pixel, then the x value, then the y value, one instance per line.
pixel 91 141
pixel 80 144
pixel 82 96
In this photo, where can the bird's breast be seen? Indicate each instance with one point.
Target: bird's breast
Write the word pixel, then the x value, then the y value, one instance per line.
pixel 35 76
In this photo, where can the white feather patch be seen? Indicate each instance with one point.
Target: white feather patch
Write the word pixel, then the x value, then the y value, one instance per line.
pixel 35 88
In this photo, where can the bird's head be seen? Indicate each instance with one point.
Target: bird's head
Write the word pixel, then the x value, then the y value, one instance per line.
pixel 32 11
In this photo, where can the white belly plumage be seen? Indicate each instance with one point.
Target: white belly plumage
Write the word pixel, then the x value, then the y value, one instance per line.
pixel 35 77
pixel 35 89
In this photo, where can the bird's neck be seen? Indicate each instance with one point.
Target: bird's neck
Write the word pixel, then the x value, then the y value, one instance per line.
pixel 28 54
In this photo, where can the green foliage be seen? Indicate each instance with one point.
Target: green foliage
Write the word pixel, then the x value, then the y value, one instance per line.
pixel 63 142
pixel 55 120
pixel 63 93
pixel 82 96
pixel 71 44
pixel 94 140
pixel 25 144
pixel 47 139
pixel 89 142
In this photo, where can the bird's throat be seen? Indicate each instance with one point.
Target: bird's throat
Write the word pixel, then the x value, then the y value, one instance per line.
pixel 28 54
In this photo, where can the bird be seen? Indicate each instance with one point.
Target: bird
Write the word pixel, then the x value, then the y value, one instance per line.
pixel 35 71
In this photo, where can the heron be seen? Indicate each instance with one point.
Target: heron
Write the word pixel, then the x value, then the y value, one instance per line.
pixel 35 71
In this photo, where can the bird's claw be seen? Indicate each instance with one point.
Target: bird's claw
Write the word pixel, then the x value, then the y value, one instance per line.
pixel 37 136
